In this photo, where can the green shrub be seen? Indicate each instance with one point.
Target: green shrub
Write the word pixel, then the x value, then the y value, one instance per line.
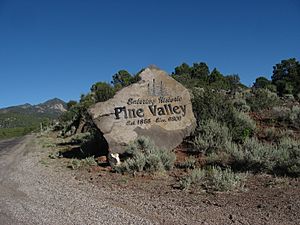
pixel 86 162
pixel 223 180
pixel 286 133
pixel 221 158
pixel 274 135
pixel 54 155
pixel 135 164
pixel 251 155
pixel 102 91
pixel 262 99
pixel 288 116
pixel 213 178
pixel 287 157
pixel 167 158
pixel 189 163
pixel 185 183
pixel 49 145
pixel 145 156
pixel 241 105
pixel 254 155
pixel 289 97
pixel 294 116
pixel 211 137
pixel 196 177
pixel 283 158
pixel 295 113
pixel 241 126
pixel 280 113
pixel 81 138
pixel 209 105
pixel 270 133
pixel 75 164
pixel 89 161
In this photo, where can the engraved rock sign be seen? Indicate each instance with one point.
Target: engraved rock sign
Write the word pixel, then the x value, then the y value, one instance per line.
pixel 157 107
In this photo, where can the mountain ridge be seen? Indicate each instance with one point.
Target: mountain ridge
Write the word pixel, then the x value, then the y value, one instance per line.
pixel 25 118
pixel 52 108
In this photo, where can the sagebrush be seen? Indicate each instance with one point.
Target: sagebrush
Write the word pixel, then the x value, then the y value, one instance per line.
pixel 213 178
pixel 143 155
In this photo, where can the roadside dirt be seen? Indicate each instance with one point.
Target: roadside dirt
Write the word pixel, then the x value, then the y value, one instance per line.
pixel 34 191
pixel 39 190
pixel 264 199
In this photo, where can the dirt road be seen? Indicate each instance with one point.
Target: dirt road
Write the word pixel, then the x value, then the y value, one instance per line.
pixel 9 153
pixel 32 194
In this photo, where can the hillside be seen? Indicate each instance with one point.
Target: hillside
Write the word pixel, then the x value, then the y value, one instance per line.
pixel 51 108
pixel 22 119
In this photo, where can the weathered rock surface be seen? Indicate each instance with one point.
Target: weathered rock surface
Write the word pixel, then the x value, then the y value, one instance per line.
pixel 157 107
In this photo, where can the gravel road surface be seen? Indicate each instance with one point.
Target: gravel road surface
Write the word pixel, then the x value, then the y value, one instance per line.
pixel 32 194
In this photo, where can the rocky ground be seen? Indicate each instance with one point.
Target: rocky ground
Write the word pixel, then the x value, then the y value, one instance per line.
pixel 263 200
pixel 35 189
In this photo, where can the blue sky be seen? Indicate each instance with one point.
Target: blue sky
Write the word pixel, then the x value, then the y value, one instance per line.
pixel 60 48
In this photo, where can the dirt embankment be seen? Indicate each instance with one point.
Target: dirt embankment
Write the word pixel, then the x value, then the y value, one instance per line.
pixel 35 189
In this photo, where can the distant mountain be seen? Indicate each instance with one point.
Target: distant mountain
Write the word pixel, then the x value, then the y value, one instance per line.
pixel 52 108
pixel 23 119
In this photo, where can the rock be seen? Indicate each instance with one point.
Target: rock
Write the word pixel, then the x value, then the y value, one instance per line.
pixel 102 159
pixel 157 107
pixel 80 127
pixel 114 159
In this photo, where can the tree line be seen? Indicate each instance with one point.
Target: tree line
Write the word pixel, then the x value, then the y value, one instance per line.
pixel 285 80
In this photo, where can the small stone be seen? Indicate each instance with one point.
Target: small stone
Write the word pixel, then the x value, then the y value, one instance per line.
pixel 102 159
pixel 114 159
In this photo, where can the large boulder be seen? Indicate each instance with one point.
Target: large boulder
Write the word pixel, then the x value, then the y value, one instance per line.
pixel 157 107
